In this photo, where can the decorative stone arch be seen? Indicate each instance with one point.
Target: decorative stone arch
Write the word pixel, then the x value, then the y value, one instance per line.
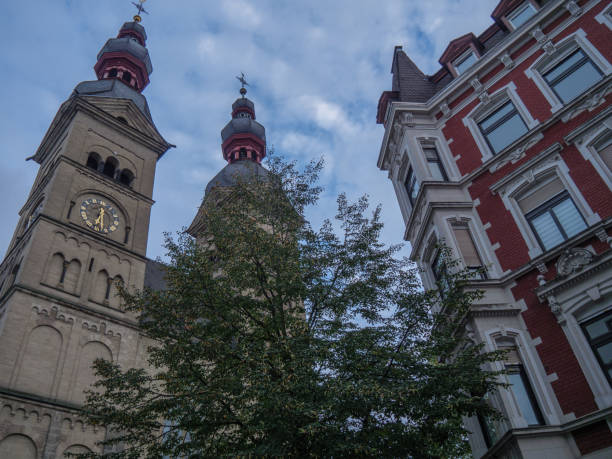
pixel 18 445
pixel 38 360
pixel 84 375
pixel 539 380
pixel 76 449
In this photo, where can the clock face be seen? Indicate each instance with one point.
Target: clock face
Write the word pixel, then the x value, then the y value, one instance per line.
pixel 99 215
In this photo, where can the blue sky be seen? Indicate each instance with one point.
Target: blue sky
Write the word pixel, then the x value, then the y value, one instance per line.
pixel 316 68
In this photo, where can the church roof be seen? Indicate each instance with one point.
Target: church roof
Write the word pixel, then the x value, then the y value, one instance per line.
pixel 115 89
pixel 238 171
pixel 155 275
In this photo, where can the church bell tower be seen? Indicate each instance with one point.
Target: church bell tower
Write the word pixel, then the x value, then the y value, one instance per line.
pixel 82 231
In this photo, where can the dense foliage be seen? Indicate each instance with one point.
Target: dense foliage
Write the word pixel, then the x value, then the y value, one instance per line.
pixel 276 339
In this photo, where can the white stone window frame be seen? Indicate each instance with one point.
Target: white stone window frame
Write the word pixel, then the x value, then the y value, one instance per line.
pixel 512 15
pixel 564 48
pixel 556 167
pixel 463 57
pixel 576 311
pixel 406 164
pixel 535 372
pixel 587 149
pixel 480 240
pixel 605 17
pixel 444 154
pixel 482 110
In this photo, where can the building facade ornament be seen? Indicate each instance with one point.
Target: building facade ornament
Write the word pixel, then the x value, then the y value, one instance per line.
pixel 573 8
pixel 517 154
pixel 594 99
pixel 573 260
pixel 446 111
pixel 506 60
pixel 555 307
pixel 543 40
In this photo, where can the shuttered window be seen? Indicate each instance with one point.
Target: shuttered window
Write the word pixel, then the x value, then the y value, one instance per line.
pixel 468 251
pixel 551 213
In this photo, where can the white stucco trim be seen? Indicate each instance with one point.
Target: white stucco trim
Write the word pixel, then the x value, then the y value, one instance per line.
pixel 605 17
pixel 482 110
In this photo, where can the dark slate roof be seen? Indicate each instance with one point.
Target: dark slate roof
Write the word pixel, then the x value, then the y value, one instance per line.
pixel 129 45
pixel 136 27
pixel 113 88
pixel 412 84
pixel 155 275
pixel 239 170
pixel 493 40
pixel 243 125
pixel 243 102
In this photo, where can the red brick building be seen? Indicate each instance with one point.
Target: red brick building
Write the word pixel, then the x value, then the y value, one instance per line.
pixel 505 154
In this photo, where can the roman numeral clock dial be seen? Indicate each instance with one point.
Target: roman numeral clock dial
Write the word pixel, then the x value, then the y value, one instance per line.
pixel 99 216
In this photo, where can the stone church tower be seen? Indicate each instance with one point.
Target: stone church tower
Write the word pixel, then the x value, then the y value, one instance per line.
pixel 83 229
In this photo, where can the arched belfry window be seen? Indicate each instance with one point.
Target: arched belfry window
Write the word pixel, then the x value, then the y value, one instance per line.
pixel 112 73
pixel 94 160
pixel 110 167
pixel 126 177
pixel 127 77
pixel 242 153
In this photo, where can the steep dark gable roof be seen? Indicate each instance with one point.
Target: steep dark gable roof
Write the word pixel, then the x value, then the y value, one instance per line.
pixel 412 84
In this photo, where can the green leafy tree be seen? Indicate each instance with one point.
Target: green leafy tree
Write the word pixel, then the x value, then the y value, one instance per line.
pixel 276 339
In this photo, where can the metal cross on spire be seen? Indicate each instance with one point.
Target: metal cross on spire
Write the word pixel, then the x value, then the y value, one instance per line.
pixel 244 83
pixel 141 10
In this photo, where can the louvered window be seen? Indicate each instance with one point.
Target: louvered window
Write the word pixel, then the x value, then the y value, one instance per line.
pixel 552 214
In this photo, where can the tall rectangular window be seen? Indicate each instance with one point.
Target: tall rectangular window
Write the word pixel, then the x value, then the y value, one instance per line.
pixel 552 214
pixel 598 332
pixel 503 127
pixel 520 385
pixel 412 186
pixel 573 76
pixel 521 15
pixel 436 169
pixel 468 252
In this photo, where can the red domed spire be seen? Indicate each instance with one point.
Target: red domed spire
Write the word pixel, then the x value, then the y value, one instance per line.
pixel 126 58
pixel 243 137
